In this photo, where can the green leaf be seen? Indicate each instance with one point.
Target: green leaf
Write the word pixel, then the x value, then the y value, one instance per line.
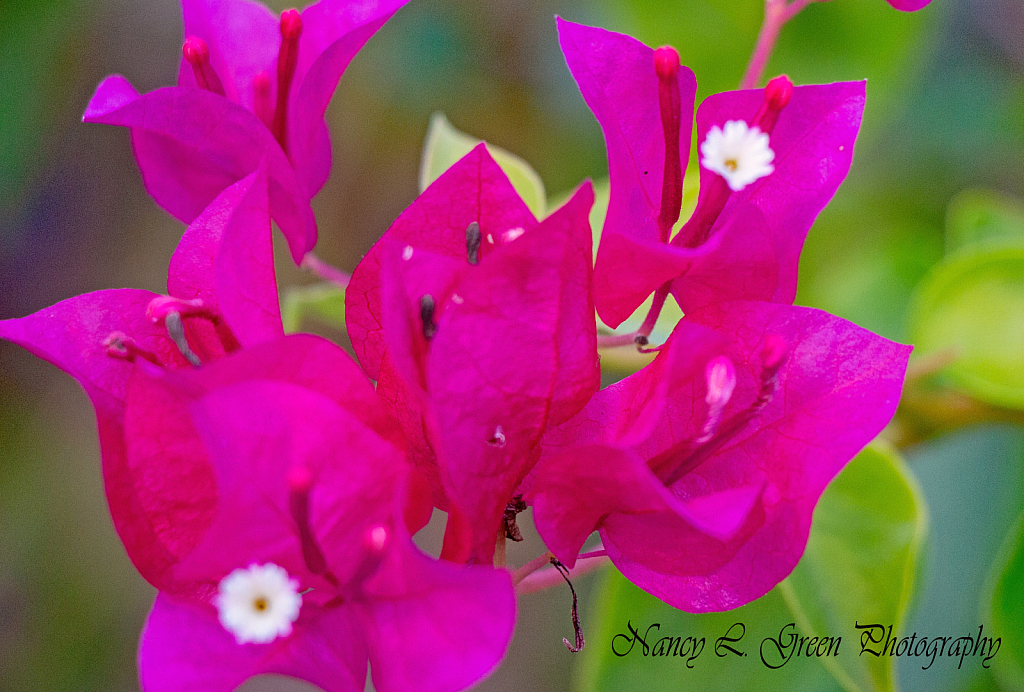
pixel 621 605
pixel 324 302
pixel 445 145
pixel 43 45
pixel 861 561
pixel 973 482
pixel 824 43
pixel 1006 610
pixel 983 216
pixel 973 302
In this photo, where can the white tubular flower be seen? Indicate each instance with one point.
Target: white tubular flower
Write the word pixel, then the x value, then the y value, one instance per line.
pixel 739 153
pixel 258 604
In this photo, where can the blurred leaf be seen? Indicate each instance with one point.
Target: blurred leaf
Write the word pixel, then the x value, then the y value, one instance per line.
pixel 983 216
pixel 1007 608
pixel 40 49
pixel 324 302
pixel 826 42
pixel 973 482
pixel 861 560
pixel 445 145
pixel 620 604
pixel 974 302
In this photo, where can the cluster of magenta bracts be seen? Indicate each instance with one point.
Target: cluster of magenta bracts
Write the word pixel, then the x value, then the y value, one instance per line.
pixel 233 453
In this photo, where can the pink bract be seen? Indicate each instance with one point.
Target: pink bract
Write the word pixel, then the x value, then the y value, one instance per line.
pixel 102 339
pixel 506 350
pixel 422 624
pixel 743 245
pixel 192 143
pixel 908 5
pixel 708 506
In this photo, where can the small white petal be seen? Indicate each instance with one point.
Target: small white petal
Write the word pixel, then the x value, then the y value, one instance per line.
pixel 258 604
pixel 512 234
pixel 738 153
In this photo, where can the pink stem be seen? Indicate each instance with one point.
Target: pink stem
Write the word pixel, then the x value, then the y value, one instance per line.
pixel 776 14
pixel 614 340
pixel 639 337
pixel 656 305
pixel 325 271
pixel 531 567
pixel 545 579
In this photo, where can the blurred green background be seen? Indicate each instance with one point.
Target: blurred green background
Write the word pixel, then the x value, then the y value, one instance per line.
pixel 945 114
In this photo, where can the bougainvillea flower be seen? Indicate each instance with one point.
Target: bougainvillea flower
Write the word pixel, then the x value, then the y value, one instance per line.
pixel 739 244
pixel 172 482
pixel 702 470
pixel 478 324
pixel 251 85
pixel 908 5
pixel 307 565
pixel 222 296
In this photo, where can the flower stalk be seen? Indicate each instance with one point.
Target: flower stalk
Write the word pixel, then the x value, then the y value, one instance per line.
pixel 776 14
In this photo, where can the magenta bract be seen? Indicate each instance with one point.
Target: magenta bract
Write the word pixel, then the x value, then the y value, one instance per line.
pixel 703 480
pixel 908 5
pixel 737 245
pixel 304 484
pixel 479 349
pixel 268 99
pixel 221 280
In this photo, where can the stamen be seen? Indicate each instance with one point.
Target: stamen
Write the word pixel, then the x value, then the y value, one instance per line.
pixel 514 507
pixel 120 345
pixel 197 54
pixel 774 355
pixel 498 438
pixel 427 316
pixel 262 105
pixel 473 239
pixel 696 231
pixel 721 379
pixel 375 540
pixel 300 482
pixel 287 60
pixel 176 331
pixel 681 459
pixel 577 630
pixel 666 65
pixel 512 234
pixel 777 94
pixel 161 306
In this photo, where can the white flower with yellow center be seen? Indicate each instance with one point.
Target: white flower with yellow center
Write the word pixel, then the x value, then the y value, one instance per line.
pixel 258 604
pixel 739 153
